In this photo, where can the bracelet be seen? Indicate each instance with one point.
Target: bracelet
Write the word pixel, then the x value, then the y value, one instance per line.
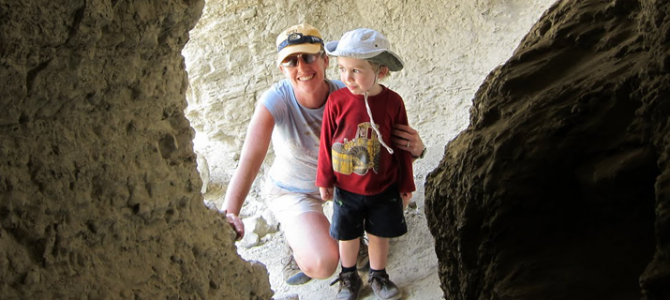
pixel 423 153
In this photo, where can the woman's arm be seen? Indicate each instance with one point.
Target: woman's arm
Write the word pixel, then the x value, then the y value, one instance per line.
pixel 253 153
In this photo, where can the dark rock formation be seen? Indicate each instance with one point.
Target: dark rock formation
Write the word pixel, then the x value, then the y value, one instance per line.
pixel 559 188
pixel 99 193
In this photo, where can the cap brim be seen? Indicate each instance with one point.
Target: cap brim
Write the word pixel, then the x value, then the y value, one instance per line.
pixel 299 48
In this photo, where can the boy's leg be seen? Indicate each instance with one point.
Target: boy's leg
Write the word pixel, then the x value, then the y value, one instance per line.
pixel 378 279
pixel 349 252
pixel 314 250
pixel 385 220
pixel 378 251
pixel 350 282
pixel 363 261
pixel 347 227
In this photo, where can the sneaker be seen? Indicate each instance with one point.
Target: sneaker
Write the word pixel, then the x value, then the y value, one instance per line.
pixel 383 288
pixel 292 273
pixel 350 285
pixel 363 260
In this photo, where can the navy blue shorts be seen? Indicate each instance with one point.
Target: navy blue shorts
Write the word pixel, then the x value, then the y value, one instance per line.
pixel 380 215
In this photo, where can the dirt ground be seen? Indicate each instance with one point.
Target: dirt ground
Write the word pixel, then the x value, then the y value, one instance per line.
pixel 412 265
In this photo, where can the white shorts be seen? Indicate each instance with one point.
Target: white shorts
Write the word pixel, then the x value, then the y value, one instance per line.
pixel 286 205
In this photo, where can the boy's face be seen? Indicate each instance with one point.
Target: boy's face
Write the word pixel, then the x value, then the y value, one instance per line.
pixel 358 75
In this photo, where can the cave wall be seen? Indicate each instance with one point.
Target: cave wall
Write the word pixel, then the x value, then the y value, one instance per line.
pixel 559 187
pixel 99 192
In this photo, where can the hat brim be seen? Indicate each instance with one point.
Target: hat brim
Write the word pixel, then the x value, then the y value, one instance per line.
pixel 381 57
pixel 295 49
pixel 389 59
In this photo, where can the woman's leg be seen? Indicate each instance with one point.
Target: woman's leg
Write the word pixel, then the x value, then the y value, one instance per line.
pixel 313 249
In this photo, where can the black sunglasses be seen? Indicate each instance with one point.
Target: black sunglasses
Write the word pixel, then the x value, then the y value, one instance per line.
pixel 292 60
pixel 298 38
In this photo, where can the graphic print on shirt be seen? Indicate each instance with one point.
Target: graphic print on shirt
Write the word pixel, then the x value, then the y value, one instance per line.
pixel 358 155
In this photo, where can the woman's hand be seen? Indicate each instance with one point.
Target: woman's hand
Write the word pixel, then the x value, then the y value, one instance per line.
pixel 236 223
pixel 406 138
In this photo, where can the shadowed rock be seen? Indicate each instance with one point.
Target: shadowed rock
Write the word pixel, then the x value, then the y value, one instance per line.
pixel 100 195
pixel 558 188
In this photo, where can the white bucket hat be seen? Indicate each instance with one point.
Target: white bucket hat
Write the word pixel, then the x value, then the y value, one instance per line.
pixel 367 44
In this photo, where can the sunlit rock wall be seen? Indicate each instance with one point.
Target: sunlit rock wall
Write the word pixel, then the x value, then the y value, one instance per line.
pixel 448 48
pixel 99 193
pixel 559 187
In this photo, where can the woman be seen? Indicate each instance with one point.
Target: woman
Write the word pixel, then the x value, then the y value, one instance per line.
pixel 289 114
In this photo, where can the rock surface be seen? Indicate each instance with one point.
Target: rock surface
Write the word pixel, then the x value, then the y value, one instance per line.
pixel 100 196
pixel 558 188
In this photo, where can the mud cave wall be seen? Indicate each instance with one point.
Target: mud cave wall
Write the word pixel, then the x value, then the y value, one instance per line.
pixel 559 188
pixel 101 197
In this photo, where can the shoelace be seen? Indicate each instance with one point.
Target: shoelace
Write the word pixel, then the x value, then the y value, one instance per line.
pixel 338 279
pixel 382 278
pixel 341 278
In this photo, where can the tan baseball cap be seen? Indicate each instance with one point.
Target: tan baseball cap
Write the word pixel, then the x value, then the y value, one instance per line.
pixel 301 38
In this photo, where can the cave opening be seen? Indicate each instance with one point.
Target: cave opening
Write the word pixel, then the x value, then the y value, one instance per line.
pixel 230 63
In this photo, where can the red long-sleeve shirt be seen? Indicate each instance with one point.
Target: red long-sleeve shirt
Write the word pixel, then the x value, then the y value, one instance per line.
pixel 351 156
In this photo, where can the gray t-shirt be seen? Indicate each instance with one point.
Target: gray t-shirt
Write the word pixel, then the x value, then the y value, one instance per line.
pixel 295 138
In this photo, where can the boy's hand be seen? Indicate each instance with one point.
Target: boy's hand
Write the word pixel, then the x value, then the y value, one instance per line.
pixel 405 199
pixel 326 193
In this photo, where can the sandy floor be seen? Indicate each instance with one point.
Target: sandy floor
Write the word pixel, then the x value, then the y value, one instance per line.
pixel 412 265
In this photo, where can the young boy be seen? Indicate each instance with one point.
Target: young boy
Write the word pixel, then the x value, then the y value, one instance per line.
pixel 371 184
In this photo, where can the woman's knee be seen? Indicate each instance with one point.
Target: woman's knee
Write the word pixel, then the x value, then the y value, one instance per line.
pixel 321 267
pixel 315 251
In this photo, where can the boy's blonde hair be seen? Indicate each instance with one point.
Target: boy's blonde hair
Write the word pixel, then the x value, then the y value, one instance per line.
pixel 378 67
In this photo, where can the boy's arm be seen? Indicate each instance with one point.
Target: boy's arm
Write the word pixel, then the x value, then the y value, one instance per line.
pixel 405 199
